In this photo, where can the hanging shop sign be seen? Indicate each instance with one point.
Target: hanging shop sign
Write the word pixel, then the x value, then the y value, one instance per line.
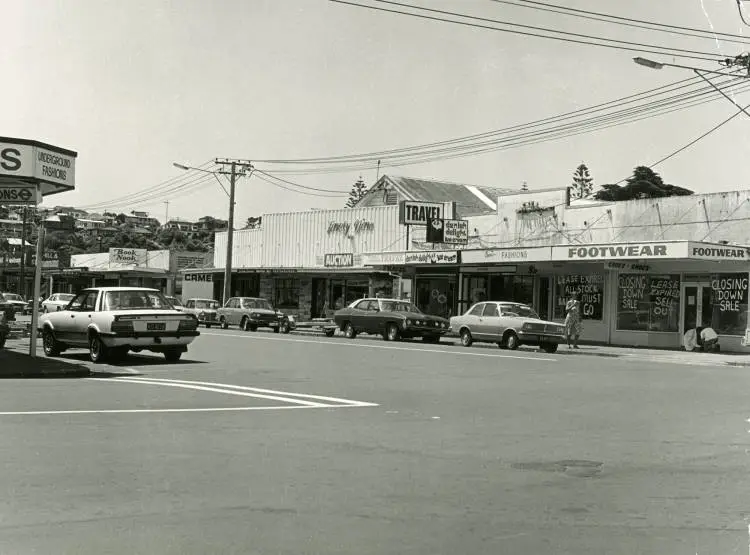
pixel 707 251
pixel 531 254
pixel 453 232
pixel 622 251
pixel 128 257
pixel 384 259
pixel 505 269
pixel 19 194
pixel 431 257
pixel 412 212
pixel 339 260
pixel 630 267
pixel 31 159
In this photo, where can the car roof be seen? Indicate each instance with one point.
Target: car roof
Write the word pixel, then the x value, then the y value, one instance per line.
pixel 121 289
pixel 205 299
pixel 381 299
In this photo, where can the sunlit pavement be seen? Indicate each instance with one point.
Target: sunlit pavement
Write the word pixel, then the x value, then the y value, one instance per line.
pixel 265 443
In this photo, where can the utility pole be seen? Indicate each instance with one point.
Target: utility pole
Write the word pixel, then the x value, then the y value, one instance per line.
pixel 237 167
pixel 166 216
pixel 22 277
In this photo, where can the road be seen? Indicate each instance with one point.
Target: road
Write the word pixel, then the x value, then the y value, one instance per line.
pixel 332 446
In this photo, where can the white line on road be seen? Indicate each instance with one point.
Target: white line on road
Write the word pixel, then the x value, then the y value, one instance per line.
pixel 144 411
pixel 389 347
pixel 287 395
pixel 187 385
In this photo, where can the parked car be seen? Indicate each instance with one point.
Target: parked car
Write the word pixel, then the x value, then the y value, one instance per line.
pixel 16 301
pixel 394 319
pixel 251 313
pixel 110 321
pixel 507 324
pixel 176 303
pixel 7 309
pixel 56 301
pixel 203 309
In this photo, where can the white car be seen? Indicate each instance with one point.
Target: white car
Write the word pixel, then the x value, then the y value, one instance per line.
pixel 16 301
pixel 110 321
pixel 56 301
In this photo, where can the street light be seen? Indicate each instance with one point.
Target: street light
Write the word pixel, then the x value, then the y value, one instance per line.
pixel 643 62
pixel 230 227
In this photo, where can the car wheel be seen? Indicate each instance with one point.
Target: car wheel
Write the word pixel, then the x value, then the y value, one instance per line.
pixel 549 347
pixel 277 329
pixel 329 333
pixel 172 355
pixel 466 339
pixel 391 333
pixel 223 323
pixel 349 331
pixel 284 327
pixel 511 341
pixel 208 326
pixel 49 343
pixel 97 349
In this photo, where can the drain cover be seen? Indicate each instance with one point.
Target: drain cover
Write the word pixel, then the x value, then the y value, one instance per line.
pixel 579 468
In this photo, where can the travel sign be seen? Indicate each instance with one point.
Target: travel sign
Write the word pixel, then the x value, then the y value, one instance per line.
pixel 413 212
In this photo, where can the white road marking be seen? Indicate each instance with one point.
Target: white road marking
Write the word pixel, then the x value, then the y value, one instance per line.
pixel 211 389
pixel 282 394
pixel 389 347
pixel 145 411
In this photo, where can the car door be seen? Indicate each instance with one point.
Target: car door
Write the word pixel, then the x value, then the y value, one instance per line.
pixel 63 322
pixel 471 320
pixel 233 309
pixel 372 317
pixel 358 314
pixel 80 318
pixel 490 323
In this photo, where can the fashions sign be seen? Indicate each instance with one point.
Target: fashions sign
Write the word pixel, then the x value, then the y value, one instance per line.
pixel 531 254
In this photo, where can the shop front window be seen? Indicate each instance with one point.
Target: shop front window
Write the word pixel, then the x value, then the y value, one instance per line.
pixel 436 296
pixel 729 304
pixel 590 289
pixel 650 302
pixel 346 291
pixel 287 293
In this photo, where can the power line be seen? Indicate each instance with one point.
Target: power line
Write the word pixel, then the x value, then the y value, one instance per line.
pixel 276 184
pixel 616 21
pixel 337 192
pixel 648 48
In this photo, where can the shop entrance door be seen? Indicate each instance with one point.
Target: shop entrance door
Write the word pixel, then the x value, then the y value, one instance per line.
pixel 696 305
pixel 318 305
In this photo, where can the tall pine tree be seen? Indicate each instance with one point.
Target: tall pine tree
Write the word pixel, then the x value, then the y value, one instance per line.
pixel 355 195
pixel 583 183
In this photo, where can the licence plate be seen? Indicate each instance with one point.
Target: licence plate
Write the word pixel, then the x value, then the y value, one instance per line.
pixel 156 326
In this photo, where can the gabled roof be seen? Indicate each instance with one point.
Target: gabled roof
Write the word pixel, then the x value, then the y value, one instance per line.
pixel 470 200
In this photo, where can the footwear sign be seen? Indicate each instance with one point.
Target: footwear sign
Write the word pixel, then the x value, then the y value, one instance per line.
pixel 435 231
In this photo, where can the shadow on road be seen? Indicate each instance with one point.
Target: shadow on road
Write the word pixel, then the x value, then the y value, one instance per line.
pixel 15 365
pixel 131 360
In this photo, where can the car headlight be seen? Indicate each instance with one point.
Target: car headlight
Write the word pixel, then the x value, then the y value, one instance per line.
pixel 201 315
pixel 290 318
pixel 254 315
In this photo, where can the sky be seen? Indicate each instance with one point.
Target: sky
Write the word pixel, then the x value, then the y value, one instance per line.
pixel 138 85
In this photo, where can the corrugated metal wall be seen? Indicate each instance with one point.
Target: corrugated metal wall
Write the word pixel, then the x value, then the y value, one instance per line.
pixel 246 248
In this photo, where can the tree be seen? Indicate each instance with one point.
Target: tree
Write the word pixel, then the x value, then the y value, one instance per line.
pixel 644 183
pixel 253 222
pixel 355 195
pixel 524 187
pixel 583 183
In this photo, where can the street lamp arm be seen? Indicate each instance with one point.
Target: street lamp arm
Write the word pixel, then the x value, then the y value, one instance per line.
pixel 651 64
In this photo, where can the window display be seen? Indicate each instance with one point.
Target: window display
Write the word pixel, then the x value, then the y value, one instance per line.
pixel 590 288
pixel 648 302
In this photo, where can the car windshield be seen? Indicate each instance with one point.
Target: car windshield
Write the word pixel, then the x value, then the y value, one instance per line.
pixel 398 306
pixel 13 297
pixel 257 303
pixel 134 300
pixel 206 304
pixel 519 310
pixel 175 301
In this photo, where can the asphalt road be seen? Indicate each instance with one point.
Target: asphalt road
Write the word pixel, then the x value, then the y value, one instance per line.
pixel 332 446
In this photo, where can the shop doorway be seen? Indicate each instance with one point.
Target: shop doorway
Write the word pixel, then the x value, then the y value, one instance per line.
pixel 696 308
pixel 318 304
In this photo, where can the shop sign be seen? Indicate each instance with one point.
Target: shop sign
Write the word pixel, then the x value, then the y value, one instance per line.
pixel 199 277
pixel 128 257
pixel 718 252
pixel 448 231
pixel 412 212
pixel 21 159
pixel 19 194
pixel 49 260
pixel 344 228
pixel 626 251
pixel 276 271
pixel 729 292
pixel 190 261
pixel 532 254
pixel 339 260
pixel 493 269
pixel 630 267
pixel 431 257
pixel 384 259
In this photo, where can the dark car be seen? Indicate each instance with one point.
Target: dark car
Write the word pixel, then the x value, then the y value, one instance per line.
pixel 7 309
pixel 4 329
pixel 394 319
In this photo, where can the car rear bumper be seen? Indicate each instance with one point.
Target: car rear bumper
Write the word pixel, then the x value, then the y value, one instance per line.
pixel 147 342
pixel 532 338
pixel 164 336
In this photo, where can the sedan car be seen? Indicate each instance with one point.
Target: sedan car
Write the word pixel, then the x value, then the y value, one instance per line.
pixel 394 319
pixel 507 324
pixel 203 309
pixel 56 301
pixel 251 313
pixel 176 303
pixel 110 321
pixel 16 301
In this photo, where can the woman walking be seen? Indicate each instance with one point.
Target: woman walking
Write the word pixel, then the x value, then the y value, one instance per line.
pixel 573 325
